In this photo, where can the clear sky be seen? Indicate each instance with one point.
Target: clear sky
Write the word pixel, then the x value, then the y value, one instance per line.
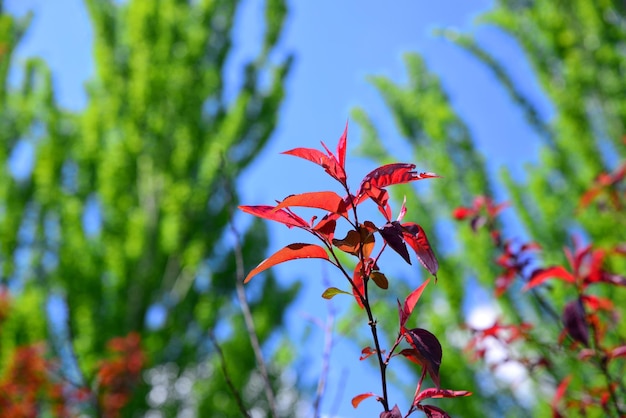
pixel 337 44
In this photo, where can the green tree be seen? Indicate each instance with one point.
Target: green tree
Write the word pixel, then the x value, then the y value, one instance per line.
pixel 125 210
pixel 576 53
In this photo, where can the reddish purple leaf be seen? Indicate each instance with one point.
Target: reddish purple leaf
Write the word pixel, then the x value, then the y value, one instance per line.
pixel 618 352
pixel 392 233
pixel 329 201
pixel 434 393
pixel 434 412
pixel 270 212
pixel 415 236
pixel 556 272
pixel 389 174
pixel 429 348
pixel 329 163
pixel 409 303
pixel 360 398
pixel 575 322
pixel 394 413
pixel 290 252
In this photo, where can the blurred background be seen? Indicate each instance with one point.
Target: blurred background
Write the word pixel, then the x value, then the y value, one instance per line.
pixel 131 130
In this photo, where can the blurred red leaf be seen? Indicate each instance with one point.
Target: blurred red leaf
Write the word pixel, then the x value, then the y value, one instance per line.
pixel 558 394
pixel 270 212
pixel 540 276
pixel 360 398
pixel 618 352
pixel 290 252
pixel 329 201
pixel 428 348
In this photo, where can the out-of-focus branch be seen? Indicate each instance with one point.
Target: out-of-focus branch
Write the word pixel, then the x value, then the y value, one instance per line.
pixel 229 382
pixel 250 327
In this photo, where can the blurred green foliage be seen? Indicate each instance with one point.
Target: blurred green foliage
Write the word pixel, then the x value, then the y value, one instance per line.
pixel 123 216
pixel 576 52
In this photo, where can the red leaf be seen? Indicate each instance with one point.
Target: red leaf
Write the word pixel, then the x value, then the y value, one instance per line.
pixel 389 174
pixel 329 201
pixel 367 352
pixel 462 213
pixel 290 252
pixel 618 352
pixel 428 348
pixel 282 216
pixel 329 163
pixel 341 147
pixel 541 276
pixel 435 393
pixel 359 285
pixel 409 303
pixel 560 392
pixel 415 236
pixel 360 398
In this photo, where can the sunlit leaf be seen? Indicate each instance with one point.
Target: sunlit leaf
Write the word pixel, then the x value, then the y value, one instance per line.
pixel 341 147
pixel 290 252
pixel 329 201
pixel 330 164
pixel 269 212
pixel 360 398
pixel 409 303
pixel 331 292
pixel 389 174
pixel 415 236
pixel 435 393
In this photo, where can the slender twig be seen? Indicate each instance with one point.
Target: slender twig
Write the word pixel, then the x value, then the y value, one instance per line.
pixel 251 328
pixel 229 382
pixel 328 345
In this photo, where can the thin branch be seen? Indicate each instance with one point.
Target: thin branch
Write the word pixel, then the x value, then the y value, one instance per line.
pixel 229 382
pixel 250 327
pixel 328 345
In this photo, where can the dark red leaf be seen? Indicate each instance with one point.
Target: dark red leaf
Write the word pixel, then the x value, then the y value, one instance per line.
pixel 389 174
pixel 409 303
pixel 329 163
pixel 392 233
pixel 429 348
pixel 434 412
pixel 367 352
pixel 270 212
pixel 540 276
pixel 415 236
pixel 359 285
pixel 329 201
pixel 326 227
pixel 435 393
pixel 360 398
pixel 575 322
pixel 290 252
pixel 394 413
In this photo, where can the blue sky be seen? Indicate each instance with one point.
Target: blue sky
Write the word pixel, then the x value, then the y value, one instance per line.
pixel 337 45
